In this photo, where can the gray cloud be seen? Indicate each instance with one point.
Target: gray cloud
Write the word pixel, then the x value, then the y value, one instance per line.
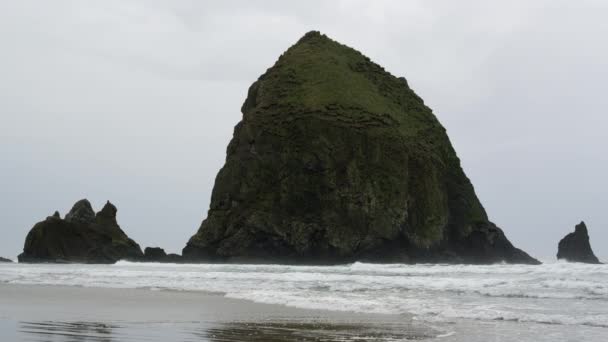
pixel 135 101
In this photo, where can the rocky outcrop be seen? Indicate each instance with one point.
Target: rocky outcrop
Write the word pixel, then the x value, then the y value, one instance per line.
pixel 576 247
pixel 173 258
pixel 157 254
pixel 81 212
pixel 336 160
pixel 154 253
pixel 82 236
pixel 5 260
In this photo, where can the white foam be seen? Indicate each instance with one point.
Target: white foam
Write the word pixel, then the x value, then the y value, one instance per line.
pixel 556 293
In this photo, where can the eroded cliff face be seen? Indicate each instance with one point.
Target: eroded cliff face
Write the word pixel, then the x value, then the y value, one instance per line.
pixel 82 236
pixel 337 160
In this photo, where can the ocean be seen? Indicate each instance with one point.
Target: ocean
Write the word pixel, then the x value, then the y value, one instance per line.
pixel 549 302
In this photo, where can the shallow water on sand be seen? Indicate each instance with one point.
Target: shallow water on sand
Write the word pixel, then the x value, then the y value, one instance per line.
pixel 59 313
pixel 550 302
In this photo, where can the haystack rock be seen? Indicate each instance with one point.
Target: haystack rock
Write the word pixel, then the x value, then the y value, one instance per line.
pixel 576 247
pixel 336 160
pixel 82 236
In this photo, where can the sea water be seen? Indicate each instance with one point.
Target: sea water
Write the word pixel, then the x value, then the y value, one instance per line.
pixel 547 301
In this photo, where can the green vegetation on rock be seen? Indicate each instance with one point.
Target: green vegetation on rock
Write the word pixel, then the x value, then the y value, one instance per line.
pixel 336 160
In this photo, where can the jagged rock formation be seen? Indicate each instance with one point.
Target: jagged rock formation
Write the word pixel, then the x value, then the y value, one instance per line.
pixel 576 247
pixel 336 160
pixel 5 260
pixel 82 236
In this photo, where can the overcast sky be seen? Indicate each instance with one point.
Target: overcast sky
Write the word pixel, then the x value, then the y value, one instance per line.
pixel 135 102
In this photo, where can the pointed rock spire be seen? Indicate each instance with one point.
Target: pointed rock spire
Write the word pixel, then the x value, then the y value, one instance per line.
pixel 81 212
pixel 108 214
pixel 576 247
pixel 108 210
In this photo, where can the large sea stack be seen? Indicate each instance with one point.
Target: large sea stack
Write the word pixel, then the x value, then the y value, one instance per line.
pixel 337 160
pixel 576 247
pixel 82 236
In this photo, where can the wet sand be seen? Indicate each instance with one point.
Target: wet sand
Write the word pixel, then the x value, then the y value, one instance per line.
pixel 56 313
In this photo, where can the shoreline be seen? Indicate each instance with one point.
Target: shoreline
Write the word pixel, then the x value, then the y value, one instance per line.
pixel 282 303
pixel 35 311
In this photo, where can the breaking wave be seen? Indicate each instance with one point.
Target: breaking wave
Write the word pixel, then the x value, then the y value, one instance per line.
pixel 555 293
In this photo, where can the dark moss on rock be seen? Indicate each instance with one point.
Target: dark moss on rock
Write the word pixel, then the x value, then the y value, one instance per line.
pixel 576 247
pixel 337 160
pixel 82 236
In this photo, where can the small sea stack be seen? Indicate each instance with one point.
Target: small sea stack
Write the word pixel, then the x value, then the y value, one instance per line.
pixel 154 254
pixel 83 237
pixel 5 260
pixel 157 254
pixel 576 247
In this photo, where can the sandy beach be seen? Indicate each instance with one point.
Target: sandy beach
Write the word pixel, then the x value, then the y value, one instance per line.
pixel 61 313
pixel 359 302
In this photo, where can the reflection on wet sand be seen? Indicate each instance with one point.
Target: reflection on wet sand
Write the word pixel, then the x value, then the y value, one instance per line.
pixel 218 332
pixel 310 331
pixel 67 331
pixel 80 314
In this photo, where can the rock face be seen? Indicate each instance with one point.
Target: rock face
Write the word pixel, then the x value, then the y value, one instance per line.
pixel 82 236
pixel 154 253
pixel 576 247
pixel 157 254
pixel 336 160
pixel 5 260
pixel 173 258
pixel 81 212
